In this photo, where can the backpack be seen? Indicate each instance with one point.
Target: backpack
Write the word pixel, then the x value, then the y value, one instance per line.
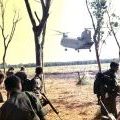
pixel 99 84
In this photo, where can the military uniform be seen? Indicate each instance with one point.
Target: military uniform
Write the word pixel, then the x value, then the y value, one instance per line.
pixel 22 106
pixel 109 93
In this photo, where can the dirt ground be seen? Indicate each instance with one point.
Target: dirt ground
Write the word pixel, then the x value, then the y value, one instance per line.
pixel 74 102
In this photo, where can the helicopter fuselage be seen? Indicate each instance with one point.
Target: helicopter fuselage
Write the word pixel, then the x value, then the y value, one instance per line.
pixel 76 43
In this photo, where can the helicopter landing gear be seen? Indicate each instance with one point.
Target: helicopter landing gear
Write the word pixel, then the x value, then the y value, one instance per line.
pixel 65 49
pixel 77 50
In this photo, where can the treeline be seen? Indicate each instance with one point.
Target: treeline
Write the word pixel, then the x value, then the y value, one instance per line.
pixel 48 64
pixel 78 62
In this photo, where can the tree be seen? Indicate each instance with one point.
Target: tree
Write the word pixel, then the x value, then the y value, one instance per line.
pixel 38 29
pixel 112 24
pixel 98 8
pixel 7 37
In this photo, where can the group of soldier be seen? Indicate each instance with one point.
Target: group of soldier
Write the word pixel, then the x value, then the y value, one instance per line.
pixel 25 100
pixel 23 96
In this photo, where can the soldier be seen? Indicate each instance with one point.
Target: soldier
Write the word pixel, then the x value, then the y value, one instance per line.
pixel 23 76
pixel 20 105
pixel 109 90
pixel 22 69
pixel 1 81
pixel 37 83
pixel 10 71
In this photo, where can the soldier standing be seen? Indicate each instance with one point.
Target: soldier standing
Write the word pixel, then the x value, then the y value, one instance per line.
pixel 10 71
pixel 22 69
pixel 109 90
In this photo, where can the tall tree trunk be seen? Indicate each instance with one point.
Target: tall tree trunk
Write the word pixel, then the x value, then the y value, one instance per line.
pixel 113 32
pixel 4 63
pixel 97 46
pixel 38 29
pixel 97 57
pixel 37 50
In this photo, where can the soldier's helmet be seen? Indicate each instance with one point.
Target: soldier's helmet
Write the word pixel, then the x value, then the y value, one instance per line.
pixel 114 64
pixel 11 68
pixel 38 70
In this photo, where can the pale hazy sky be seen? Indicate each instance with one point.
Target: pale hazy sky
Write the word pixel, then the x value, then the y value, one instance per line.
pixel 66 16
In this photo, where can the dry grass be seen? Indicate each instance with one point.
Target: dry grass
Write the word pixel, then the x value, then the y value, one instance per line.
pixel 73 102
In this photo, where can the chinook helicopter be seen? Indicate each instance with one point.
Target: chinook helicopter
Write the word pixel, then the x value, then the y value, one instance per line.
pixel 83 42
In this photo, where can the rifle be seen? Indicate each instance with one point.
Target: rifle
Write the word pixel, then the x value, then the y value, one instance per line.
pixel 110 116
pixel 53 108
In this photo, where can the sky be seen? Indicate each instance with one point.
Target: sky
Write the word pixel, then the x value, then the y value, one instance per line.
pixel 65 16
